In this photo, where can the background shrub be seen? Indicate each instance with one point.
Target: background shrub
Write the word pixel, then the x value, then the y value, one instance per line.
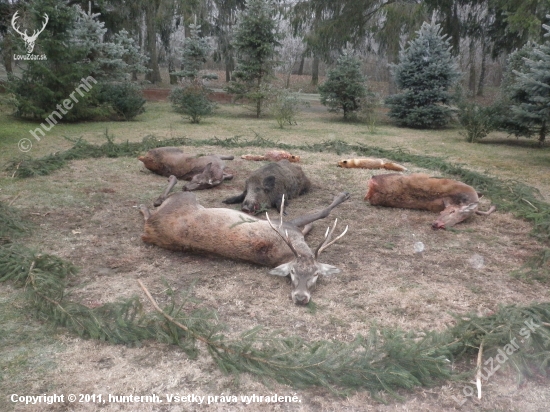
pixel 285 108
pixel 125 99
pixel 192 101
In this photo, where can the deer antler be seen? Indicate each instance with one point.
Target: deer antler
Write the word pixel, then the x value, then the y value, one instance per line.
pixel 15 17
pixel 278 229
pixel 327 242
pixel 35 34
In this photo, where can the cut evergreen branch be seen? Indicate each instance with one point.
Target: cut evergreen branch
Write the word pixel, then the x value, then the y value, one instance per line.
pixel 385 360
pixel 510 196
pixel 11 224
pixel 26 166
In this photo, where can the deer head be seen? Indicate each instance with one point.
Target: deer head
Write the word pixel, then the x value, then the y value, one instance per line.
pixel 304 269
pixel 205 180
pixel 29 40
pixel 453 214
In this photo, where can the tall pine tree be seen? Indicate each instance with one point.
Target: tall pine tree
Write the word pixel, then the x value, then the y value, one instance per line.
pixel 425 73
pixel 191 98
pixel 255 43
pixel 530 93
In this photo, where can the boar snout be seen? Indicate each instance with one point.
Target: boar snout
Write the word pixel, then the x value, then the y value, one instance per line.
pixel 250 207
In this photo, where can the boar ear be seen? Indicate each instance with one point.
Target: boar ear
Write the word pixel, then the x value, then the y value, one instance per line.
pixel 281 270
pixel 269 183
pixel 327 270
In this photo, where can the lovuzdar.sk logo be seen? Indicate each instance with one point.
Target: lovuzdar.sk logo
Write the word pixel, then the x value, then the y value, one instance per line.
pixel 29 40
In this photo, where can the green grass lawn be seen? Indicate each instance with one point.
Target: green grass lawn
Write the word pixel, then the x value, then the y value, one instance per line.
pixel 499 155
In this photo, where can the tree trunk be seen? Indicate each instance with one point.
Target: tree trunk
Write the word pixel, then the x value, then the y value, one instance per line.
pixel 154 74
pixel 171 68
pixel 259 101
pixel 229 66
pixel 7 54
pixel 542 134
pixel 472 63
pixel 301 68
pixel 483 71
pixel 315 71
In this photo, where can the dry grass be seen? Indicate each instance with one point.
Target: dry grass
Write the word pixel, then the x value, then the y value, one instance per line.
pixel 87 213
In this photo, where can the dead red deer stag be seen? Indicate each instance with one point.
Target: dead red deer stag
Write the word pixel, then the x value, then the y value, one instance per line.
pixel 204 172
pixel 182 223
pixel 455 200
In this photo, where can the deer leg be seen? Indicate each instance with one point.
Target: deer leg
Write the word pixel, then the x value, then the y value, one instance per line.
pixel 312 217
pixel 145 212
pixel 227 176
pixel 226 157
pixel 172 180
pixel 487 213
pixel 307 228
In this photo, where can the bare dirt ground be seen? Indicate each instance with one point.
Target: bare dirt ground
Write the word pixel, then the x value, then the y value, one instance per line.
pixel 87 213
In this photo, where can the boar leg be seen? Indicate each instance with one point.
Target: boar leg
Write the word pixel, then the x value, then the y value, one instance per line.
pixel 312 217
pixel 172 180
pixel 235 199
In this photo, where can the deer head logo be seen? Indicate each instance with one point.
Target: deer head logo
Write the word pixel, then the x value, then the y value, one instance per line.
pixel 28 39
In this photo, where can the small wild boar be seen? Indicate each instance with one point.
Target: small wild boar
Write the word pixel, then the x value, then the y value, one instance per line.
pixel 204 171
pixel 266 186
pixel 455 200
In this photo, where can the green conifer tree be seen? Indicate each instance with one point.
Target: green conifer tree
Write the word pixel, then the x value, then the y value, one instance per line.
pixel 345 86
pixel 191 97
pixel 530 93
pixel 255 43
pixel 425 74
pixel 74 49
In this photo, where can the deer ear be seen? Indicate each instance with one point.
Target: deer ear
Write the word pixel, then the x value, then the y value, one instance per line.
pixel 327 270
pixel 470 208
pixel 281 270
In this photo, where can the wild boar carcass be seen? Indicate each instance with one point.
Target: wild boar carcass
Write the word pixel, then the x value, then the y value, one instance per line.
pixel 182 223
pixel 204 172
pixel 266 186
pixel 455 200
pixel 370 163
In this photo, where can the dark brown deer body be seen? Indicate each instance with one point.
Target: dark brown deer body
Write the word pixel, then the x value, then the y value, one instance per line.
pixel 182 223
pixel 266 186
pixel 455 200
pixel 203 171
